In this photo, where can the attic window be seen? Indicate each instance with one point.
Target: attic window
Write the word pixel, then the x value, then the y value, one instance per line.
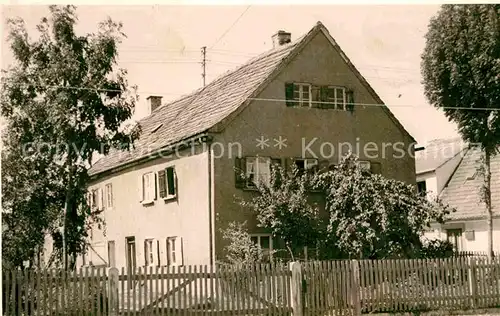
pixel 156 128
pixel 471 175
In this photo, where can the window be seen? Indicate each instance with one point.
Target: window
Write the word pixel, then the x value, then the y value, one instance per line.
pixel 471 174
pixel 258 170
pixel 89 199
pixel 95 198
pixel 422 187
pixel 148 186
pixel 156 128
pixel 336 96
pixel 454 236
pixel 174 251
pixel 306 164
pixel 265 241
pixel 364 165
pixel 109 195
pixel 167 183
pixel 148 252
pixel 325 96
pixel 101 204
pixel 302 94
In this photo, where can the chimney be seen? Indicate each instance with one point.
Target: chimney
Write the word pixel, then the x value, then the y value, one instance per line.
pixel 281 38
pixel 154 102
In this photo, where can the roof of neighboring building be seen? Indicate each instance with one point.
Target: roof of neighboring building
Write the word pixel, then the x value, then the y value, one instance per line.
pixel 205 108
pixel 463 191
pixel 437 152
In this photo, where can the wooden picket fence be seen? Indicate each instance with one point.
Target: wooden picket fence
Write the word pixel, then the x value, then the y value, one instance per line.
pixel 55 292
pixel 246 290
pixel 370 286
pixel 188 290
pixel 342 287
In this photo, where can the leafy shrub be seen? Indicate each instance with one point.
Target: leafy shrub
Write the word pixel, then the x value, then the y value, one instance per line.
pixel 436 248
pixel 241 250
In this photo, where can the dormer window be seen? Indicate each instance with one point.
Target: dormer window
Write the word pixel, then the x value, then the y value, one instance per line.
pixel 156 128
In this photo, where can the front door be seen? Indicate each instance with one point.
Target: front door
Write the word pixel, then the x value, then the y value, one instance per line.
pixel 130 246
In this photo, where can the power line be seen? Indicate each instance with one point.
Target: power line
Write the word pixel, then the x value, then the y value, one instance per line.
pixel 93 89
pixel 281 100
pixel 232 25
pixel 153 49
pixel 172 61
pixel 381 105
pixel 223 62
pixel 233 54
pixel 251 55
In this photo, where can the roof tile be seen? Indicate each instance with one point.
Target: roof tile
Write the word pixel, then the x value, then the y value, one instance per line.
pixel 199 111
pixel 464 195
pixel 436 153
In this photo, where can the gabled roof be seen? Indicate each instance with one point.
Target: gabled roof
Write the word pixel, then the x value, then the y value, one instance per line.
pixel 438 152
pixel 210 108
pixel 463 191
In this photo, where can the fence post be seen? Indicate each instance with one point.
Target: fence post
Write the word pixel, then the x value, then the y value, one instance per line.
pixel 296 289
pixel 355 287
pixel 113 291
pixel 472 281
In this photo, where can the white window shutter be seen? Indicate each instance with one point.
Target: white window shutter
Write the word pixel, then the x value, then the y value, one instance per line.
pixel 179 249
pixel 141 188
pixel 101 199
pixel 154 191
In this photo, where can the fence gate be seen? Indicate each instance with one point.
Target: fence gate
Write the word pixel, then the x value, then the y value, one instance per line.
pixel 192 290
pixel 327 288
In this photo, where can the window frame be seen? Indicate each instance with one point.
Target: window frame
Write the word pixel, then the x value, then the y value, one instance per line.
pixel 419 187
pixel 456 234
pixel 163 176
pixel 172 248
pixel 256 159
pixel 174 183
pixel 300 102
pixel 305 160
pixel 94 197
pixel 108 189
pixel 335 99
pixel 365 165
pixel 148 252
pixel 271 245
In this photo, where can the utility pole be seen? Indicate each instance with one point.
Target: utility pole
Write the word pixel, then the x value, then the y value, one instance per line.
pixel 203 63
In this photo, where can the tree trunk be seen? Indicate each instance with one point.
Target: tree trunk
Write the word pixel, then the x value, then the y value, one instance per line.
pixel 65 219
pixel 290 251
pixel 487 200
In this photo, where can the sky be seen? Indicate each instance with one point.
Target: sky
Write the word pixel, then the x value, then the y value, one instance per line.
pixel 162 51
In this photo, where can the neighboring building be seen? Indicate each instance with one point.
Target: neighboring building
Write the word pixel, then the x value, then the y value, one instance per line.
pixel 435 164
pixel 467 227
pixel 167 200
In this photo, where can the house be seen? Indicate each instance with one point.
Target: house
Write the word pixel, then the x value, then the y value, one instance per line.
pixel 167 201
pixel 435 164
pixel 467 227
